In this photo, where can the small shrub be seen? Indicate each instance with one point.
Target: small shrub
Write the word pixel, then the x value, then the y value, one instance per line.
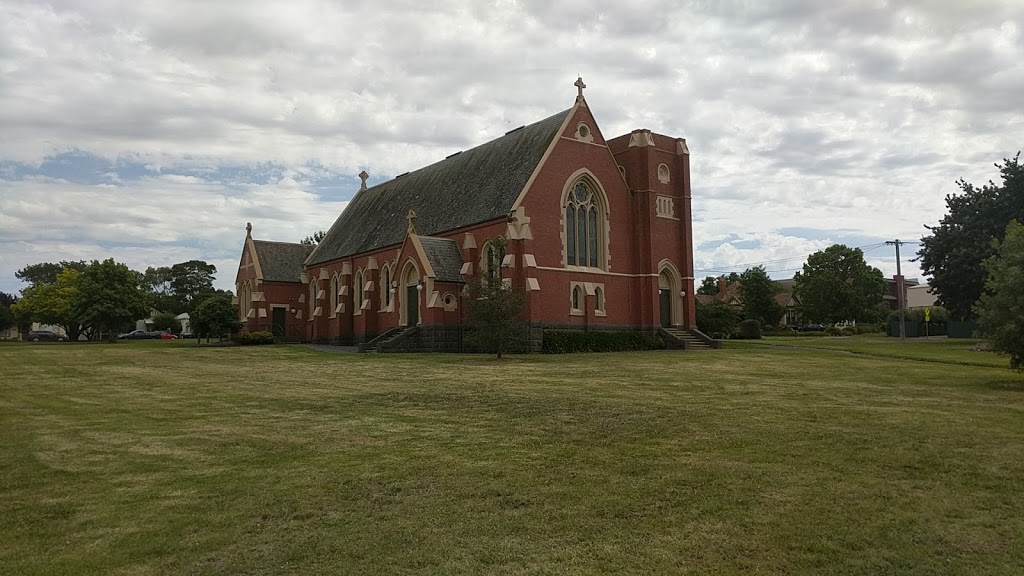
pixel 832 331
pixel 254 339
pixel 261 338
pixel 848 331
pixel 750 329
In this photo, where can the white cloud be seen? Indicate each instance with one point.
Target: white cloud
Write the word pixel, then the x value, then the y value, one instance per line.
pixel 846 115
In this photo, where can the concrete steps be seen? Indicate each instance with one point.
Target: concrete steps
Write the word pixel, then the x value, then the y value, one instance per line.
pixel 689 340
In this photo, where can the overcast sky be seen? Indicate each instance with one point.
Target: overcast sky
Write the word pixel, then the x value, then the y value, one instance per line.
pixel 151 131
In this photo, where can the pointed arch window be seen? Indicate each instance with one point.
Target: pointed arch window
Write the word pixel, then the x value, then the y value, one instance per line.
pixel 385 288
pixel 357 293
pixel 334 296
pixel 583 227
pixel 491 261
pixel 312 298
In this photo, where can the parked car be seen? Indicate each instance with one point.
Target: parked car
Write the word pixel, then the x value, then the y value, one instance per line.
pixel 811 328
pixel 45 336
pixel 167 336
pixel 140 335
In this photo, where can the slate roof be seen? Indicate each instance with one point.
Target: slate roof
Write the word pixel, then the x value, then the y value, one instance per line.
pixel 281 261
pixel 466 188
pixel 444 257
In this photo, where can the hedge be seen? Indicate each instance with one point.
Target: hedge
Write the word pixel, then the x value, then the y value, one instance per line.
pixel 254 339
pixel 573 342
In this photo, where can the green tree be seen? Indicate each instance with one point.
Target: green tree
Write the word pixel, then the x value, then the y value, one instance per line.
pixel 191 283
pixel 54 303
pixel 757 293
pixel 166 321
pixel 109 297
pixel 6 316
pixel 46 272
pixel 708 286
pixel 716 319
pixel 314 239
pixel 493 311
pixel 159 295
pixel 955 253
pixel 215 316
pixel 1001 308
pixel 837 284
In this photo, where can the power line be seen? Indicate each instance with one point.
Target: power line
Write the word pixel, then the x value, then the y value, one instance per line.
pixel 866 248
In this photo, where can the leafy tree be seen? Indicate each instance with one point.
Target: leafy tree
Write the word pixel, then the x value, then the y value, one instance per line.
pixel 166 321
pixel 708 286
pixel 215 315
pixel 191 283
pixel 493 311
pixel 54 303
pixel 314 239
pixel 837 284
pixel 716 319
pixel 109 296
pixel 1001 309
pixel 954 254
pixel 7 299
pixel 159 295
pixel 757 292
pixel 6 316
pixel 46 272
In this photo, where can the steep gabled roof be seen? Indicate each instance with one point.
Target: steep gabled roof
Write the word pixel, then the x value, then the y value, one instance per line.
pixel 444 257
pixel 281 261
pixel 466 188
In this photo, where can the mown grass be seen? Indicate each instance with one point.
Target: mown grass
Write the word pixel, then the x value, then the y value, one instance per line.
pixel 161 458
pixel 944 350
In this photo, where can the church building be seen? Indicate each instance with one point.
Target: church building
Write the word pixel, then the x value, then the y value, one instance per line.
pixel 597 235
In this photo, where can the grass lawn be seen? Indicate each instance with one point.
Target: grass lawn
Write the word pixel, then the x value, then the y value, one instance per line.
pixel 945 350
pixel 163 458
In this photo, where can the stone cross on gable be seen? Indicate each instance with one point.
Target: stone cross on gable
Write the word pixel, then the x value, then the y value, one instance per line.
pixel 579 86
pixel 363 176
pixel 248 228
pixel 411 219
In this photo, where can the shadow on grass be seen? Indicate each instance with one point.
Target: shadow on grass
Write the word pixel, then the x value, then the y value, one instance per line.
pixel 1010 385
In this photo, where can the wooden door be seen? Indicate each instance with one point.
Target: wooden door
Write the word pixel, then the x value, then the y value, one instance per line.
pixel 412 305
pixel 665 300
pixel 279 315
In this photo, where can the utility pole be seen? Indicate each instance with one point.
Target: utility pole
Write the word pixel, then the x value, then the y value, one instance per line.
pixel 900 283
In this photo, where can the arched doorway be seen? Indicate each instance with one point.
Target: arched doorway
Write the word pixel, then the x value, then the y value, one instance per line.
pixel 410 290
pixel 668 299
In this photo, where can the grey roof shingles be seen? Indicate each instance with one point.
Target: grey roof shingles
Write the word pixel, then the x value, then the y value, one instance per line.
pixel 467 188
pixel 444 257
pixel 281 261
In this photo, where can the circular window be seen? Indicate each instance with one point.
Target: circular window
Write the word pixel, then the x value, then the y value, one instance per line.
pixel 583 132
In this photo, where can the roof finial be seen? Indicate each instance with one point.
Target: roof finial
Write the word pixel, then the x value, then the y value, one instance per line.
pixel 363 176
pixel 411 219
pixel 579 86
pixel 248 228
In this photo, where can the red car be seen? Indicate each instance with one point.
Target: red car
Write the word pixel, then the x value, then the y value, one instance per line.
pixel 168 336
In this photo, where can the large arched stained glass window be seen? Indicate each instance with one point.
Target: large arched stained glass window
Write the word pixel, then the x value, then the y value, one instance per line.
pixel 582 227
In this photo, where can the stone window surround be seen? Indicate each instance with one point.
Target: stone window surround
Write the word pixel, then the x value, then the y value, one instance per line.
pixel 604 258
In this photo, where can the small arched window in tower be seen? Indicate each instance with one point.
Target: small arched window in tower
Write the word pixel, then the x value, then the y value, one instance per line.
pixel 577 298
pixel 582 227
pixel 663 174
pixel 598 299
